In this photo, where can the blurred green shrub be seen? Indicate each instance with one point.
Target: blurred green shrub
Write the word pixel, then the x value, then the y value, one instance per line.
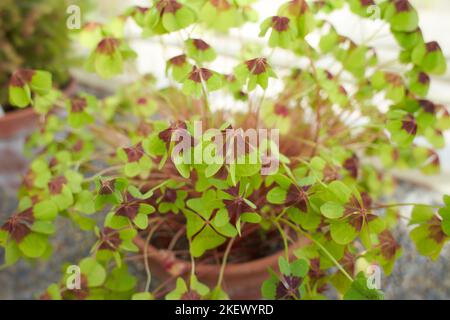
pixel 33 34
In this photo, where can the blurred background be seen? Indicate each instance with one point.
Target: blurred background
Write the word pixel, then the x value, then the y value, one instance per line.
pixel 435 23
pixel 414 277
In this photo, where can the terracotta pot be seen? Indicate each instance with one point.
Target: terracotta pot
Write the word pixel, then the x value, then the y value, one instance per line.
pixel 242 281
pixel 25 120
pixel 17 121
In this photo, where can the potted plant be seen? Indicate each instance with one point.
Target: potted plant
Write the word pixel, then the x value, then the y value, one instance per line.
pixel 33 35
pixel 213 211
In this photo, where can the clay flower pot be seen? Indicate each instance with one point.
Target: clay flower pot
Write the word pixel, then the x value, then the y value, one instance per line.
pixel 242 281
pixel 25 120
pixel 17 121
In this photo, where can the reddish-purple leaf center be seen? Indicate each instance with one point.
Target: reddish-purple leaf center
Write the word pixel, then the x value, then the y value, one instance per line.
pixel 433 46
pixel 21 77
pixel 200 74
pixel 409 124
pixel 257 66
pixel 178 60
pixel 435 229
pixel 134 153
pixel 190 295
pixel 107 187
pixel 56 185
pixel 108 46
pixel 221 5
pixel 298 197
pixel 424 78
pixel 352 165
pixel 129 208
pixel 280 24
pixel 281 110
pixel 388 245
pixel 168 6
pixel 166 135
pixel 366 3
pixel 200 44
pixel 287 288
pixel 78 104
pixel 297 7
pixel 142 101
pixel 402 5
pixel 428 106
pixel 18 226
pixel 109 239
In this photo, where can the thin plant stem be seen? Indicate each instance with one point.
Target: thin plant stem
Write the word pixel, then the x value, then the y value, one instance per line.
pixel 164 284
pixel 103 172
pixel 285 241
pixel 206 110
pixel 175 238
pixel 192 262
pixel 224 262
pixel 321 247
pixel 405 205
pixel 147 267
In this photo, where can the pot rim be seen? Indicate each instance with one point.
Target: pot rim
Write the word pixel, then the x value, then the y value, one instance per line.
pixel 68 90
pixel 12 120
pixel 249 267
pixel 17 114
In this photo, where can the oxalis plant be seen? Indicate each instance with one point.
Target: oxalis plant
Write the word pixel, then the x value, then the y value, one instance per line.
pixel 109 165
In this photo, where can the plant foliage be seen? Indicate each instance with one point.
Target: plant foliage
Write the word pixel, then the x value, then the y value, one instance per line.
pixel 325 206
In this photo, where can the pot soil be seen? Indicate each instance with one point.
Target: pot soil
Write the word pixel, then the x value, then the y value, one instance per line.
pixel 242 281
pixel 25 120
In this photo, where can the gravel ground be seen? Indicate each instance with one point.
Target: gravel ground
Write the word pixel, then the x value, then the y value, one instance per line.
pixel 27 280
pixel 414 277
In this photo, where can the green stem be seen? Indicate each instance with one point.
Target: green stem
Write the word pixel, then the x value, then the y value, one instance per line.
pixel 224 262
pixel 159 186
pixel 285 241
pixel 147 267
pixel 206 110
pixel 321 247
pixel 405 205
pixel 192 262
pixel 101 173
